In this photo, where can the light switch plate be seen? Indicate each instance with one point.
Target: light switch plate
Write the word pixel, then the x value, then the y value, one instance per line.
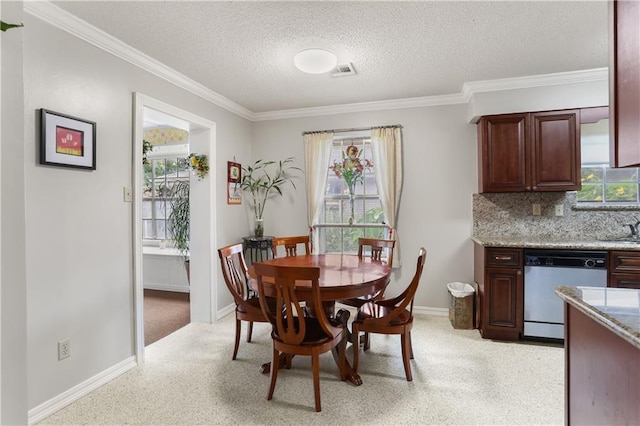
pixel 128 194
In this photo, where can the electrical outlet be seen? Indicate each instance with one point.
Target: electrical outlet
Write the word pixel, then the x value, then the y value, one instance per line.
pixel 537 209
pixel 64 349
pixel 559 209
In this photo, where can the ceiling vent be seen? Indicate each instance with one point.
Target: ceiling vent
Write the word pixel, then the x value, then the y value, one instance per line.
pixel 343 70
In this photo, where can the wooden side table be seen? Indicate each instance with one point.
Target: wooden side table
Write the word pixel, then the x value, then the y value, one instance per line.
pixel 259 248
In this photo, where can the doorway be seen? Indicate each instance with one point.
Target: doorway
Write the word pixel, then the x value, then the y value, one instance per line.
pixel 165 241
pixel 201 141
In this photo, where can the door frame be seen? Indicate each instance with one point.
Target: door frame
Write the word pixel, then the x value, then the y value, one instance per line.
pixel 202 140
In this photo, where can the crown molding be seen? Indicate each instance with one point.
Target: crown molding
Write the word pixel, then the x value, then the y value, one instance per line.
pixel 59 18
pixel 570 77
pixel 361 107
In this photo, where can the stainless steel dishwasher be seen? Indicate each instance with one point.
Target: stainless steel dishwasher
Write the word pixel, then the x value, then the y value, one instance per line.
pixel 545 270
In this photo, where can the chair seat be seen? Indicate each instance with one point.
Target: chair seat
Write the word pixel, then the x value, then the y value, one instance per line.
pixel 255 302
pixel 314 335
pixel 372 310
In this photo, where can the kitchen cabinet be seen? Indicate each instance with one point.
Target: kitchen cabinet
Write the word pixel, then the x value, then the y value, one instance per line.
pixel 624 269
pixel 533 151
pixel 624 83
pixel 498 273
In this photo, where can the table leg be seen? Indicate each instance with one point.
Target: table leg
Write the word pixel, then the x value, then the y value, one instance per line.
pixel 343 316
pixel 266 367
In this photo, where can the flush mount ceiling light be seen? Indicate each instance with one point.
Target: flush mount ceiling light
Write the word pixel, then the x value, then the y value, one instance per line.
pixel 315 61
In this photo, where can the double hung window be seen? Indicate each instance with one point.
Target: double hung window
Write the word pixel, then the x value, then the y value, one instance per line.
pixel 349 214
pixel 159 176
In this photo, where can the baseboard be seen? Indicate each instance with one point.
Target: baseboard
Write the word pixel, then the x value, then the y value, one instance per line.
pixel 225 311
pixel 436 312
pixel 167 287
pixel 46 409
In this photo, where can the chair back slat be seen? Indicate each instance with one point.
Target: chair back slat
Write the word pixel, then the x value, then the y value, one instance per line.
pixel 291 245
pixel 404 300
pixel 234 270
pixel 377 247
pixel 289 322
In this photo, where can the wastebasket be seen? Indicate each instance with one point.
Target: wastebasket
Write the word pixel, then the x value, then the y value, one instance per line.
pixel 461 305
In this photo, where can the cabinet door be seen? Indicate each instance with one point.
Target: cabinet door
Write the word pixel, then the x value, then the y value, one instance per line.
pixel 555 159
pixel 624 83
pixel 503 304
pixel 503 156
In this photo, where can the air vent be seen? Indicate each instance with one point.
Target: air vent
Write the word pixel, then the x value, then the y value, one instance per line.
pixel 343 70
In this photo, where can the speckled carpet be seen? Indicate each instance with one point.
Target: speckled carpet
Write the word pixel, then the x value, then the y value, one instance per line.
pixel 458 378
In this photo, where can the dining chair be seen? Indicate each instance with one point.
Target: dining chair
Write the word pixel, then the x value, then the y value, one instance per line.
pixel 234 271
pixel 376 248
pixel 293 332
pixel 389 316
pixel 290 245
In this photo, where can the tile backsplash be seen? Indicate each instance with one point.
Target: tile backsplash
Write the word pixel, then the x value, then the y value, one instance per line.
pixel 511 215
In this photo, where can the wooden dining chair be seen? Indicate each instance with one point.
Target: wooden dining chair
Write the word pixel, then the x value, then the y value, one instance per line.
pixel 291 245
pixel 376 248
pixel 234 271
pixel 293 332
pixel 389 316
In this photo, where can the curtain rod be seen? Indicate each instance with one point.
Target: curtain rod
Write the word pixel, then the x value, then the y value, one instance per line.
pixel 353 129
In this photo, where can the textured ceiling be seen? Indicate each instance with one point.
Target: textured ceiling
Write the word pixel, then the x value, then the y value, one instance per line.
pixel 244 50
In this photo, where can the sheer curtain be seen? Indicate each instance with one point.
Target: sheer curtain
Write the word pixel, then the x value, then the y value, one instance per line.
pixel 317 150
pixel 386 152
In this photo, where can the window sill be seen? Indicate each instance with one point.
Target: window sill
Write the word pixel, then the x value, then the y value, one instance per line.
pixel 605 207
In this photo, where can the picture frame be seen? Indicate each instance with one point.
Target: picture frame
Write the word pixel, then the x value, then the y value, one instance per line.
pixel 234 175
pixel 67 141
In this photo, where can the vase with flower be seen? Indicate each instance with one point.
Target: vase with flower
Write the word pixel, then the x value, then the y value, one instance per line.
pixel 264 180
pixel 351 169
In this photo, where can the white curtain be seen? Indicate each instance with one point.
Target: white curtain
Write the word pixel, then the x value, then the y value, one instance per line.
pixel 317 150
pixel 386 152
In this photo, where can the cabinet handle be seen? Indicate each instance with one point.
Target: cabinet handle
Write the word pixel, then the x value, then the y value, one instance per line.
pixel 503 258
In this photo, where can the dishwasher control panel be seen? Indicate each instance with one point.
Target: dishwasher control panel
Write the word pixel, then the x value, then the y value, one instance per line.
pixel 566 258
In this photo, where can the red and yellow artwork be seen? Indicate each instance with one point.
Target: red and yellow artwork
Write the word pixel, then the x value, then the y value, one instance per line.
pixel 69 141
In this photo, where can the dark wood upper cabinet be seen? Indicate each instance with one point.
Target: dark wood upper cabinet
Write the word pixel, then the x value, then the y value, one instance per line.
pixel 529 152
pixel 624 83
pixel 555 140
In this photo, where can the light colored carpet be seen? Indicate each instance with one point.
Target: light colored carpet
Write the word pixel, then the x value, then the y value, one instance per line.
pixel 458 378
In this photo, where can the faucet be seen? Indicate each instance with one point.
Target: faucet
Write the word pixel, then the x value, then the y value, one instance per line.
pixel 635 230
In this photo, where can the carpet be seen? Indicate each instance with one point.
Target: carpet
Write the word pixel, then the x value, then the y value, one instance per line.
pixel 188 378
pixel 164 313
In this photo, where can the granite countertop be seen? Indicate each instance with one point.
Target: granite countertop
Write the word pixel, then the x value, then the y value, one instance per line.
pixel 554 243
pixel 617 309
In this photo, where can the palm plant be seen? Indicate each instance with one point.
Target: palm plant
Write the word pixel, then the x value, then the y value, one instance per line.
pixel 265 179
pixel 178 219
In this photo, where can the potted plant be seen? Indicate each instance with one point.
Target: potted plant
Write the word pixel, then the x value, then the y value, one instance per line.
pixel 178 220
pixel 264 180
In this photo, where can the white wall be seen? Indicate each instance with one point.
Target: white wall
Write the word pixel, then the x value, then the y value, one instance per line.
pixel 78 232
pixel 439 156
pixel 13 302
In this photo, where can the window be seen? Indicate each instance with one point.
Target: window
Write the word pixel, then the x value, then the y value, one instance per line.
pixel 159 176
pixel 336 233
pixel 600 183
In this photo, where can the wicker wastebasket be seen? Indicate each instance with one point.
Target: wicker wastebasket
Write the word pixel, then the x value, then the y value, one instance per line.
pixel 461 305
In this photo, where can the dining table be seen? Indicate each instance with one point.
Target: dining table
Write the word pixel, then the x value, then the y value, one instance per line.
pixel 342 276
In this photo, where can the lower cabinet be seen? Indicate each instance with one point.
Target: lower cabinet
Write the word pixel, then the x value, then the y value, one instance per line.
pixel 624 269
pixel 498 272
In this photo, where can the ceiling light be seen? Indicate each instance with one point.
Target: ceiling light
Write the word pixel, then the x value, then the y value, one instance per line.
pixel 315 61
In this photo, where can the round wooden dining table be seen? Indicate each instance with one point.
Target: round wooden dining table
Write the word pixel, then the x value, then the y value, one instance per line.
pixel 342 276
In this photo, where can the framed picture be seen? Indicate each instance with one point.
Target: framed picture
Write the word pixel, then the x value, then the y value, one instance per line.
pixel 67 141
pixel 234 174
